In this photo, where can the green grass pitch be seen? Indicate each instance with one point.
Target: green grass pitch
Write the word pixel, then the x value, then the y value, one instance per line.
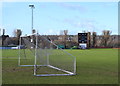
pixel 94 66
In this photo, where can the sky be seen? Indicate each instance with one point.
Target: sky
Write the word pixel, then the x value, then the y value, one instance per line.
pixel 52 17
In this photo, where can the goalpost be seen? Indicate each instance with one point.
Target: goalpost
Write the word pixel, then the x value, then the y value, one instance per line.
pixel 46 57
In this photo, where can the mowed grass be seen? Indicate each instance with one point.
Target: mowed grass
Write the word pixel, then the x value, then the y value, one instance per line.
pixel 94 66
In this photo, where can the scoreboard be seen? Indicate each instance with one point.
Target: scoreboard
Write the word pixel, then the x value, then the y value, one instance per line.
pixel 82 37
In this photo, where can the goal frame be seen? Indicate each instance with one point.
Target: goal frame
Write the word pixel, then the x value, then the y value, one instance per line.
pixel 65 72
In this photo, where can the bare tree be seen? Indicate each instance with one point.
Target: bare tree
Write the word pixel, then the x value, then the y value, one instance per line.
pixel 94 39
pixel 17 33
pixel 89 40
pixel 105 37
pixel 65 37
pixel 3 37
pixel 3 31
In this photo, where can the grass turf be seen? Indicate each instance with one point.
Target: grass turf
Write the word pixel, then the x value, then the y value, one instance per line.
pixel 94 66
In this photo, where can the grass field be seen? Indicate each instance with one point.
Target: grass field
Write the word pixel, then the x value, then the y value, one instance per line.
pixel 94 66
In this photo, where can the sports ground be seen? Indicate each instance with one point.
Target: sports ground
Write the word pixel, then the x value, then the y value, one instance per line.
pixel 94 66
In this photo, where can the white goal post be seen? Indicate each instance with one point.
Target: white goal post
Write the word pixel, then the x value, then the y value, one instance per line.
pixel 45 56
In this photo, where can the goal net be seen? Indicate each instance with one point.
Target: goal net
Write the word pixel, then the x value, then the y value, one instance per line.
pixel 46 57
pixel 26 52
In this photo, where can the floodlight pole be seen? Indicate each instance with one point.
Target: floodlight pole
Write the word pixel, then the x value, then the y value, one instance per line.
pixel 32 19
pixel 32 7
